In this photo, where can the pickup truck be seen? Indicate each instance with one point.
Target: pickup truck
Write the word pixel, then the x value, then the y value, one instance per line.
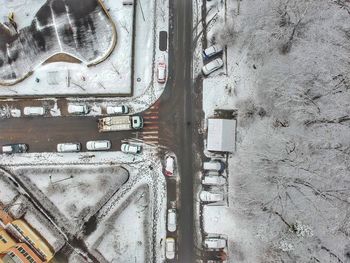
pixel 120 123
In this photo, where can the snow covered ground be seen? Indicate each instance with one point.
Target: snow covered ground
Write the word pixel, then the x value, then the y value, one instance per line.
pixel 131 220
pixel 67 79
pixel 286 67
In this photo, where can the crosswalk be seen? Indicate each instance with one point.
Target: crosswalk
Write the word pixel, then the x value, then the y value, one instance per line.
pixel 150 132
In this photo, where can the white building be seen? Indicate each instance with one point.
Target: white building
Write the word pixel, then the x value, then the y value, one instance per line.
pixel 221 135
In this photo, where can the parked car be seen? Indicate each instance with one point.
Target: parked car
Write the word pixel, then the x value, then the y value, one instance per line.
pixel 214 243
pixel 131 148
pixel 212 51
pixel 15 148
pixel 101 145
pixel 172 220
pixel 170 248
pixel 78 109
pixel 215 165
pixel 213 180
pixel 206 196
pixel 161 72
pixel 169 166
pixel 212 66
pixel 117 109
pixel 69 147
pixel 33 111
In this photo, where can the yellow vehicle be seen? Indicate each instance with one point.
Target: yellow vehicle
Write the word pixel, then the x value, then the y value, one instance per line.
pixel 34 239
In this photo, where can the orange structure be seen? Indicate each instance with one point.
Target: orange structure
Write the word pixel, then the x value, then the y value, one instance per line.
pixel 19 243
pixel 19 253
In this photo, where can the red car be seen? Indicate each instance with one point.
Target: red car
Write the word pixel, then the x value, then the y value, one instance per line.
pixel 161 72
pixel 169 166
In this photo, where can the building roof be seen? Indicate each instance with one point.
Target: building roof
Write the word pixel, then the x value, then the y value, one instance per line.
pixel 6 241
pixel 33 238
pixel 23 252
pixel 221 135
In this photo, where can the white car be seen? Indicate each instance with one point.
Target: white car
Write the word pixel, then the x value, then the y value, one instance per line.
pixel 69 147
pixel 15 148
pixel 169 166
pixel 212 66
pixel 171 220
pixel 117 109
pixel 161 72
pixel 170 248
pixel 78 109
pixel 206 196
pixel 102 145
pixel 214 180
pixel 131 148
pixel 214 243
pixel 212 51
pixel 33 111
pixel 215 165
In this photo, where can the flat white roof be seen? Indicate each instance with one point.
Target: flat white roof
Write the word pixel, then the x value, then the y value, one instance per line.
pixel 221 135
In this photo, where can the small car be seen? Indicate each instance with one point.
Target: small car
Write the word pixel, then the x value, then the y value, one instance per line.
pixel 212 51
pixel 170 248
pixel 131 148
pixel 169 166
pixel 212 66
pixel 215 165
pixel 213 180
pixel 15 148
pixel 101 145
pixel 161 72
pixel 172 220
pixel 33 111
pixel 117 109
pixel 206 196
pixel 214 243
pixel 78 109
pixel 69 147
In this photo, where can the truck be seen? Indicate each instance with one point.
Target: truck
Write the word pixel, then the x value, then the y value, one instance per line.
pixel 120 123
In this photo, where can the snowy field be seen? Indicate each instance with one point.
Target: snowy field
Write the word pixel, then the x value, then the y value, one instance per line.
pixel 139 197
pixel 286 66
pixel 75 191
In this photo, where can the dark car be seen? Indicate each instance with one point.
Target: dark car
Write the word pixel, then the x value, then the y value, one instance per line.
pixel 15 148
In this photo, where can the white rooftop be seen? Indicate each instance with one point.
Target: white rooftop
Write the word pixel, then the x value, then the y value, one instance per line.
pixel 221 135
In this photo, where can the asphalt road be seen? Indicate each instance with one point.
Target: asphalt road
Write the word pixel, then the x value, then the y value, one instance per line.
pixel 43 134
pixel 177 123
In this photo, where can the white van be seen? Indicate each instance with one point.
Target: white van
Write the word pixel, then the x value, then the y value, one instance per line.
pixel 171 220
pixel 68 147
pixel 102 145
pixel 78 109
pixel 117 109
pixel 214 243
pixel 215 165
pixel 33 111
pixel 210 197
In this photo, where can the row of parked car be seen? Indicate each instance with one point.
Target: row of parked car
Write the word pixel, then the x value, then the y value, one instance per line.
pixel 215 64
pixel 77 109
pixel 213 178
pixel 101 145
